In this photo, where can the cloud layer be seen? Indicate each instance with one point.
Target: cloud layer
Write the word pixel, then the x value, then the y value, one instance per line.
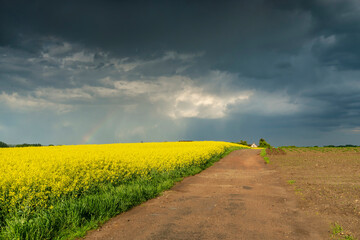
pixel 91 72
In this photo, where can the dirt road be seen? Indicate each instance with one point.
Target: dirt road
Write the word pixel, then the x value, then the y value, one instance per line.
pixel 238 198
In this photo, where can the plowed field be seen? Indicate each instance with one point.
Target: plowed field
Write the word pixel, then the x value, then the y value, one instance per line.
pixel 326 182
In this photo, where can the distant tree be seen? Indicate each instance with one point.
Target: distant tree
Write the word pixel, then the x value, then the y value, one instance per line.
pixel 3 145
pixel 243 142
pixel 28 145
pixel 341 146
pixel 263 143
pixel 350 145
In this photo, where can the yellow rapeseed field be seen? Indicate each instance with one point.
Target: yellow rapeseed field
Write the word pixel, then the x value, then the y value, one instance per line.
pixel 30 177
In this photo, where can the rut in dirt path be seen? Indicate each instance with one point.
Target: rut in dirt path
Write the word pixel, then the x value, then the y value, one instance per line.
pixel 237 198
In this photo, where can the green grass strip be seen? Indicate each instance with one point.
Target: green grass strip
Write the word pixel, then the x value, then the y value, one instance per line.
pixel 263 154
pixel 72 218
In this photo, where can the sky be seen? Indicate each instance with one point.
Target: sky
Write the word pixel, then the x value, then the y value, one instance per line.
pixel 93 72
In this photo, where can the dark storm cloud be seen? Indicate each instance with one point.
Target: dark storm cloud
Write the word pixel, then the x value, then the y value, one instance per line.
pixel 342 51
pixel 136 27
pixel 337 19
pixel 237 36
pixel 343 111
pixel 299 59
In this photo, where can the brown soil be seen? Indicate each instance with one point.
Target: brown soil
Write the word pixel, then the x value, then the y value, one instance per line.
pixel 326 182
pixel 238 198
pixel 275 151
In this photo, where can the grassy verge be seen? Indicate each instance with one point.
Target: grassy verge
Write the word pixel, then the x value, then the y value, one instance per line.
pixel 71 218
pixel 263 154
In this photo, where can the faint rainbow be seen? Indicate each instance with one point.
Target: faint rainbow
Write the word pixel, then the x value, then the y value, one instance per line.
pixel 88 136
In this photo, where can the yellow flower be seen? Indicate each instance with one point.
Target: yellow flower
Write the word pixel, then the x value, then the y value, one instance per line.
pixel 30 177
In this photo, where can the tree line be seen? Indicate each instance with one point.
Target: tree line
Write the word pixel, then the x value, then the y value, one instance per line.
pixel 262 143
pixel 5 145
